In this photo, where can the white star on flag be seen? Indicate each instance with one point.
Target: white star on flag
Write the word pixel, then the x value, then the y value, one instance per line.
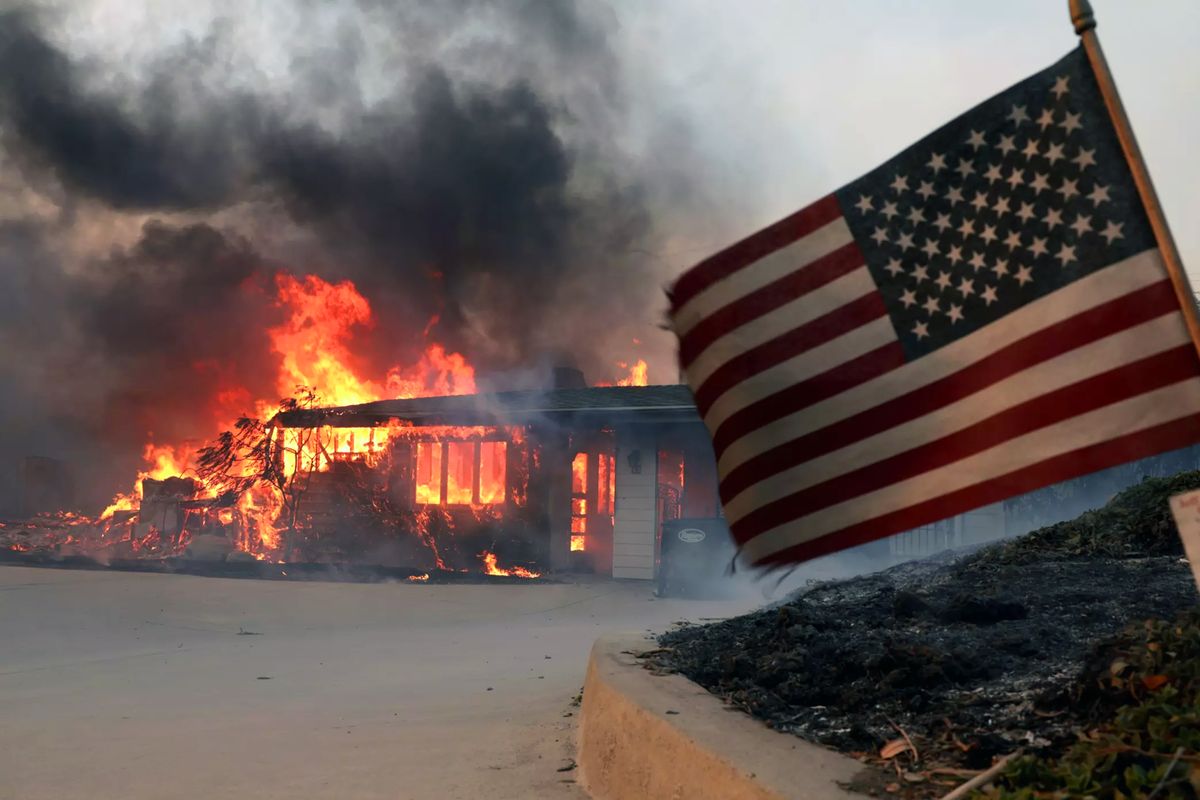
pixel 1112 231
pixel 1068 189
pixel 1071 123
pixel 1066 254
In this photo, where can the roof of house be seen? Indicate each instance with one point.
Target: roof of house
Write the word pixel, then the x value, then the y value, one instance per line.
pixel 594 404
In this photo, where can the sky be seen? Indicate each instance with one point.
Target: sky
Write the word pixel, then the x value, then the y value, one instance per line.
pixel 515 179
pixel 789 100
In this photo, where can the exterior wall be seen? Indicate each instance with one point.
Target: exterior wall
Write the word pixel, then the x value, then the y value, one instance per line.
pixel 983 524
pixel 634 523
pixel 974 527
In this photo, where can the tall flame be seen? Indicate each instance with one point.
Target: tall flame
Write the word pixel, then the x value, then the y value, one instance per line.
pixel 638 375
pixel 314 347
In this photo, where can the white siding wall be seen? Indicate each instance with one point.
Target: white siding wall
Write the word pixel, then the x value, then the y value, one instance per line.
pixel 633 521
pixel 974 527
pixel 983 524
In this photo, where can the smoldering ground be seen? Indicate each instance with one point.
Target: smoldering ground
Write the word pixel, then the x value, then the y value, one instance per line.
pixel 457 162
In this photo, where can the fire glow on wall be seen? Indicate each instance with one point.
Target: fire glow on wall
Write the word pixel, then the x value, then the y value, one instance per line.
pixel 605 494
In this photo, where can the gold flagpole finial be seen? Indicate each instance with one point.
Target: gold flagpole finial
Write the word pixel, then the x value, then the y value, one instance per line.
pixel 1083 16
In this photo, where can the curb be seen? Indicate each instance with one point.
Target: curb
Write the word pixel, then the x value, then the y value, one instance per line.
pixel 630 748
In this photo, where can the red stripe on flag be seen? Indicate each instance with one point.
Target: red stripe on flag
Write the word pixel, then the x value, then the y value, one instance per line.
pixel 1108 318
pixel 807 278
pixel 753 248
pixel 1162 438
pixel 1122 383
pixel 799 340
pixel 807 392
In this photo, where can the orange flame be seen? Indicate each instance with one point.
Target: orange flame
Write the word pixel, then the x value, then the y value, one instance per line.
pixel 313 343
pixel 489 567
pixel 638 374
pixel 579 509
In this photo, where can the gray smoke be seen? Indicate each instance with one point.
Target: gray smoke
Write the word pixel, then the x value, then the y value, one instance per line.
pixel 144 207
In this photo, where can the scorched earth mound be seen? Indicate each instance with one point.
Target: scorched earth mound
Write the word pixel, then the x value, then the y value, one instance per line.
pixel 970 656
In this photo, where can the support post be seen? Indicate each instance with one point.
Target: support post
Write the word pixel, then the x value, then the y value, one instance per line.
pixel 1084 20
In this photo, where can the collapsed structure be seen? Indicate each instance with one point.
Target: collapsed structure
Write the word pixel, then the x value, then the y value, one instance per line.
pixel 569 478
pixel 573 477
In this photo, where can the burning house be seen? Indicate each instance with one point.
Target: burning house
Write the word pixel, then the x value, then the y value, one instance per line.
pixel 566 479
pixel 570 478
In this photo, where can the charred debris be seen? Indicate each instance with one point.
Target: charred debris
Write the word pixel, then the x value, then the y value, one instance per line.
pixel 931 670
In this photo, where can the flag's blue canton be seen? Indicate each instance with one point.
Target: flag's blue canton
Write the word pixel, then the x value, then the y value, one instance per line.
pixel 1016 198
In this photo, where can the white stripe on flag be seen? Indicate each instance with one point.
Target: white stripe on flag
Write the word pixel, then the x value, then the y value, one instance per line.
pixel 766 270
pixel 1124 347
pixel 862 339
pixel 760 330
pixel 1118 419
pixel 1116 280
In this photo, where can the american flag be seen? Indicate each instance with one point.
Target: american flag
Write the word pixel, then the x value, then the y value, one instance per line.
pixel 983 315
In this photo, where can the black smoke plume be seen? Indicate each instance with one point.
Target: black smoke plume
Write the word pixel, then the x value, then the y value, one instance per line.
pixel 143 210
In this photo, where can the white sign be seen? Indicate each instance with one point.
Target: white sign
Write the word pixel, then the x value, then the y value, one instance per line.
pixel 1186 508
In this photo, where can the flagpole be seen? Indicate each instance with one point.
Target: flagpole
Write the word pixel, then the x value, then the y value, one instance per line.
pixel 1085 25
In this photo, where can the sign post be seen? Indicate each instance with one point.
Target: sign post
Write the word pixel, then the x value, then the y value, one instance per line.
pixel 1186 510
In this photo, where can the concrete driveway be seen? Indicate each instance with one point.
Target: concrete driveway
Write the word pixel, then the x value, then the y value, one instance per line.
pixel 131 686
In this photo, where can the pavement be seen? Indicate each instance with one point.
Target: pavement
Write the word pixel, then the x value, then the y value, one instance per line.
pixel 157 687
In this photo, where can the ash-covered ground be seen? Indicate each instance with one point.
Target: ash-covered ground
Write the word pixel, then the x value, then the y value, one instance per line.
pixel 972 655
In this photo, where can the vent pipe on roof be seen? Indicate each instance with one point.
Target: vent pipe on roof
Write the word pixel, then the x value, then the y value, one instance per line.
pixel 568 378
